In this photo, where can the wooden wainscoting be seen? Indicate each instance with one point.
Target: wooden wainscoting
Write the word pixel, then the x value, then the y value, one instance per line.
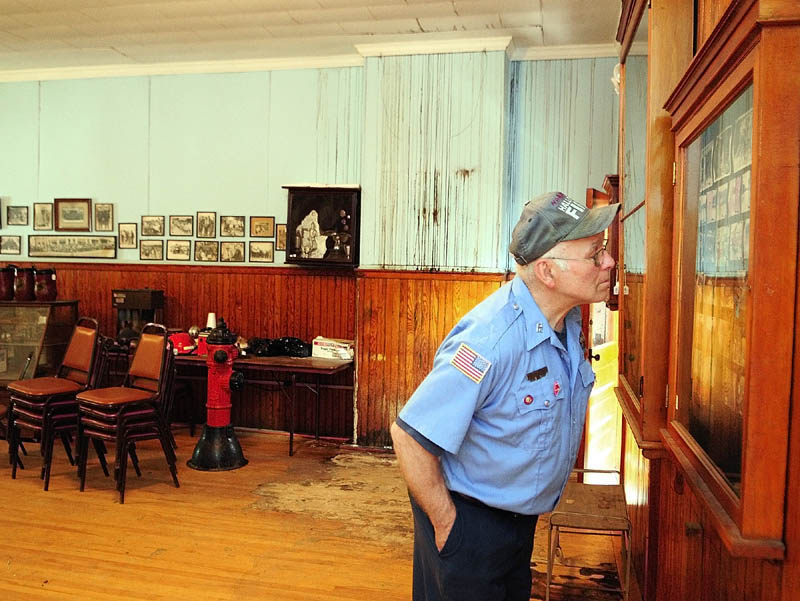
pixel 402 318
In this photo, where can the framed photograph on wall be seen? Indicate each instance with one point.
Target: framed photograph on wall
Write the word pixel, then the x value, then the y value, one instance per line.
pixel 80 247
pixel 231 252
pixel 127 235
pixel 206 224
pixel 181 225
pixel 262 227
pixel 72 214
pixel 16 215
pixel 43 215
pixel 10 245
pixel 152 225
pixel 151 250
pixel 103 217
pixel 179 250
pixel 206 251
pixel 262 252
pixel 280 237
pixel 231 226
pixel 322 225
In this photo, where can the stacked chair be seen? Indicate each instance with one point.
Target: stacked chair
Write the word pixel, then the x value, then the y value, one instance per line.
pixel 47 406
pixel 133 412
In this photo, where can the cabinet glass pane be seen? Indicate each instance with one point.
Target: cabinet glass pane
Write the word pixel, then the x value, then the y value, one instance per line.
pixel 633 224
pixel 21 330
pixel 718 213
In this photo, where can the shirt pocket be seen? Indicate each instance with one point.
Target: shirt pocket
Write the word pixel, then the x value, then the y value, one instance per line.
pixel 538 411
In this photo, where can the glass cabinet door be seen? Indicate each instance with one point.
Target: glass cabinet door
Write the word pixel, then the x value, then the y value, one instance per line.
pixel 716 267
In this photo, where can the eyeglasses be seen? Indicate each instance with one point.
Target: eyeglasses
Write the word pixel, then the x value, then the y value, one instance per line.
pixel 596 257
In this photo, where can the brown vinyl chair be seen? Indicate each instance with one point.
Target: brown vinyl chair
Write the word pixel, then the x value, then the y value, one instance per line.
pixel 133 412
pixel 47 406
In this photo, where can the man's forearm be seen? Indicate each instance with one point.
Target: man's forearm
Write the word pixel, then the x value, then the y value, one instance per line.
pixel 423 476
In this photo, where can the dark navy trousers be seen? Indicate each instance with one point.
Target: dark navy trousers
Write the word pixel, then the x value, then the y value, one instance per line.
pixel 486 557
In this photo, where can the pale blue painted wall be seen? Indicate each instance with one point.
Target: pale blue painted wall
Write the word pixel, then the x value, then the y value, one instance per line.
pixel 634 161
pixel 469 136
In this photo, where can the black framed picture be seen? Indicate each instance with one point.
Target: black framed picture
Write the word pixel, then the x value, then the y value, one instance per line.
pixel 280 236
pixel 232 226
pixel 206 251
pixel 231 252
pixel 127 235
pixel 73 214
pixel 10 245
pixel 179 250
pixel 83 247
pixel 43 215
pixel 206 224
pixel 17 215
pixel 262 227
pixel 152 225
pixel 151 250
pixel 262 252
pixel 322 225
pixel 181 225
pixel 103 217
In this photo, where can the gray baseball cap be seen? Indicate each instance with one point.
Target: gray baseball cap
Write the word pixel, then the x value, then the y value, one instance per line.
pixel 552 218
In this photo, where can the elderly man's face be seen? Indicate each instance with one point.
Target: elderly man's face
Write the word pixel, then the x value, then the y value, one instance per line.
pixel 586 276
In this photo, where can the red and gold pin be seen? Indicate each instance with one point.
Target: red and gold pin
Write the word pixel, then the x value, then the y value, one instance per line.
pixel 556 388
pixel 528 400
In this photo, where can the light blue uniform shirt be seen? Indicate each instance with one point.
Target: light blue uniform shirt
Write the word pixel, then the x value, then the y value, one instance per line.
pixel 510 439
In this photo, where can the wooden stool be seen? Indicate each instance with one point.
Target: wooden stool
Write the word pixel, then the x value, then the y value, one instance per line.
pixel 586 507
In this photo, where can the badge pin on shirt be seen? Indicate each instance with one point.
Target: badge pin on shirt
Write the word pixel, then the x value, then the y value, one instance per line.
pixel 556 388
pixel 539 328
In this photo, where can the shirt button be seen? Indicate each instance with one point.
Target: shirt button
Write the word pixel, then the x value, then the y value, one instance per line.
pixel 516 306
pixel 547 403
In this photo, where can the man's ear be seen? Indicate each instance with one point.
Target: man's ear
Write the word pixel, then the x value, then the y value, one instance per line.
pixel 544 272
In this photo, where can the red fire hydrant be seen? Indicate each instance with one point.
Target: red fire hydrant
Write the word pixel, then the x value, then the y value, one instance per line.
pixel 218 448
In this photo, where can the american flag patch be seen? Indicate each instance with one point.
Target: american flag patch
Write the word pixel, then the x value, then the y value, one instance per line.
pixel 470 363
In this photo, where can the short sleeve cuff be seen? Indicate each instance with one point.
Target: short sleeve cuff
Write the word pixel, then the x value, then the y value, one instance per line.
pixel 425 443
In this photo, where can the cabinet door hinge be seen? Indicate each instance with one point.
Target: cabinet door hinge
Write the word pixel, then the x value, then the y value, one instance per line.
pixel 674 173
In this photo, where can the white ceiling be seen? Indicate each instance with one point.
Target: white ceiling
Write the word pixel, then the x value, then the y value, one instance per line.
pixel 58 36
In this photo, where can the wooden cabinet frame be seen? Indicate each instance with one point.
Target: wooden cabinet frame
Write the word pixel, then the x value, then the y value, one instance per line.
pixel 750 44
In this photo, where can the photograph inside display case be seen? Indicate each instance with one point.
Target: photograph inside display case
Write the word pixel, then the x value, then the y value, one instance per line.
pixel 717 186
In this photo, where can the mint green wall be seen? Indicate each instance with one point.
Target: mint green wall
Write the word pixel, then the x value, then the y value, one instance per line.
pixel 445 147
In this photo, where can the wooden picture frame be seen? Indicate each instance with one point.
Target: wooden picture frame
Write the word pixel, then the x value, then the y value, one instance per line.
pixel 179 250
pixel 231 226
pixel 231 252
pixel 152 225
pixel 206 224
pixel 10 245
pixel 43 216
pixel 280 236
pixel 262 252
pixel 181 225
pixel 103 217
pixel 322 225
pixel 16 215
pixel 74 247
pixel 262 227
pixel 206 251
pixel 127 235
pixel 151 250
pixel 72 214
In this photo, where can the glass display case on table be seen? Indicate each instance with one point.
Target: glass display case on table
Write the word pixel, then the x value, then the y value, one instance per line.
pixel 33 337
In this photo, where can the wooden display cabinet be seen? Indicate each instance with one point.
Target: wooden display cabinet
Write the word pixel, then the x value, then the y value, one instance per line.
pixel 34 337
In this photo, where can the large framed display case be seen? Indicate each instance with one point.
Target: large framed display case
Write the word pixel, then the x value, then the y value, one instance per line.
pixel 736 118
pixel 34 337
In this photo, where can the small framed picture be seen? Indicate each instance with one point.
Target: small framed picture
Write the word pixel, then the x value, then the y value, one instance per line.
pixel 43 215
pixel 152 225
pixel 72 214
pixel 206 251
pixel 206 224
pixel 231 226
pixel 179 250
pixel 262 227
pixel 104 217
pixel 262 252
pixel 127 235
pixel 231 252
pixel 17 215
pixel 181 225
pixel 280 237
pixel 10 245
pixel 151 250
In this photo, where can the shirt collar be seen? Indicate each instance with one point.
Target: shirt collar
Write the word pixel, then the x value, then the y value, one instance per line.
pixel 537 327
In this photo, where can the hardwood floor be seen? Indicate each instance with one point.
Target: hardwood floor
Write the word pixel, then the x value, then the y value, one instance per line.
pixel 332 522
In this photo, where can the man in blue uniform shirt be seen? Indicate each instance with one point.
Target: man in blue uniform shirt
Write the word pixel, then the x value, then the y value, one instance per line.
pixel 488 440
